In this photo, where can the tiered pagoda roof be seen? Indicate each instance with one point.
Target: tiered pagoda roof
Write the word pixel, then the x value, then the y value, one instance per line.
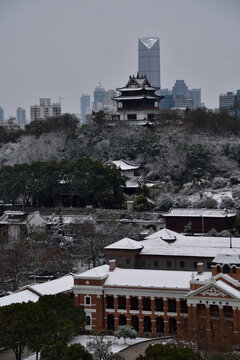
pixel 137 88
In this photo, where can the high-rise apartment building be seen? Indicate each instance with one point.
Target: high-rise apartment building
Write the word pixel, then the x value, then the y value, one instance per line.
pixel 99 97
pixel 45 110
pixel 1 115
pixel 195 94
pixel 231 103
pixel 149 59
pixel 21 115
pixel 85 107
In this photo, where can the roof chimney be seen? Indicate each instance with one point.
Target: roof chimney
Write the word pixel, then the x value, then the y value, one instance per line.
pixel 200 266
pixel 112 264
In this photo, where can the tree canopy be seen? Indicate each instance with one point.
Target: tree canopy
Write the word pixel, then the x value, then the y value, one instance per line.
pixel 168 352
pixel 78 183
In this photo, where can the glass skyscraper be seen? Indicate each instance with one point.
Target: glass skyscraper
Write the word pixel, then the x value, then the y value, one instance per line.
pixel 1 115
pixel 21 115
pixel 149 59
pixel 85 107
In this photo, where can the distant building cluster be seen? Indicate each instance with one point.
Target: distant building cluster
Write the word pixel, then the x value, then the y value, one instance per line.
pixel 231 103
pixel 181 97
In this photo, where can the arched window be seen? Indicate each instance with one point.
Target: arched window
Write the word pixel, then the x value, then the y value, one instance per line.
pixel 122 320
pixel 172 326
pixel 234 269
pixel 159 325
pixel 110 322
pixel 218 269
pixel 135 322
pixel 87 300
pixel 147 324
pixel 226 269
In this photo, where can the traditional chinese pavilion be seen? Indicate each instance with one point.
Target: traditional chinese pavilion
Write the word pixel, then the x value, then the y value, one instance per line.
pixel 138 101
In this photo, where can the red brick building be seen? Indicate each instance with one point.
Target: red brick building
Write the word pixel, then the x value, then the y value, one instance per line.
pixel 159 302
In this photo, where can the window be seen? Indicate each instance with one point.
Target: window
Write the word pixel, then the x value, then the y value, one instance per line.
pixel 169 264
pixel 88 320
pixel 195 265
pixel 128 261
pixel 218 268
pixel 87 300
pixel 226 269
pixel 146 304
pixel 156 263
pixel 134 303
pixel 234 269
pixel 121 302
pixel 132 116
pixel 159 304
pixel 110 302
pixel 182 264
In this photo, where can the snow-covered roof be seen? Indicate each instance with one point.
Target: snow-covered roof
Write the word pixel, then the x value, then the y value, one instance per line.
pixel 158 243
pixel 143 278
pixel 136 181
pixel 123 165
pixel 182 212
pixel 20 217
pixel 33 292
pixel 71 219
pixel 231 290
pixel 19 297
pixel 99 272
pixel 227 259
pixel 125 243
pixel 120 98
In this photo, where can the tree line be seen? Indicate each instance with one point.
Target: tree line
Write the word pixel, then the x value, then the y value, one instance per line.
pixel 63 183
pixel 40 326
pixel 12 132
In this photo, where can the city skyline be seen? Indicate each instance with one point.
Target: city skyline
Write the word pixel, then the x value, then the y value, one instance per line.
pixel 82 43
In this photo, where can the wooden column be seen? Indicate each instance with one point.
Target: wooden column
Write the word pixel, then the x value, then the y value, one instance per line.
pixel 165 317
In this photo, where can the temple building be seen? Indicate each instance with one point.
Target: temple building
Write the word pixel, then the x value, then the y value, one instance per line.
pixel 137 101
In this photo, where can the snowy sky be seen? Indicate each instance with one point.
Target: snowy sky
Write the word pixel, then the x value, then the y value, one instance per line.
pixel 62 48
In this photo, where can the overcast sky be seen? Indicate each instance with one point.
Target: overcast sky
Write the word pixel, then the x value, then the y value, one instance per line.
pixel 62 48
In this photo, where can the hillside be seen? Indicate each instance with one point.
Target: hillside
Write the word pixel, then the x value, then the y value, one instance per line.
pixel 186 161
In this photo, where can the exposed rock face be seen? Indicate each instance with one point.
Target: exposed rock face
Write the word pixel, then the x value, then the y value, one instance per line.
pixel 49 146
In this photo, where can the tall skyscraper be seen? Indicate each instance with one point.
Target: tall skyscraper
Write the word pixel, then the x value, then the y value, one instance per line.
pixel 1 115
pixel 180 89
pixel 45 110
pixel 85 107
pixel 99 97
pixel 21 115
pixel 149 59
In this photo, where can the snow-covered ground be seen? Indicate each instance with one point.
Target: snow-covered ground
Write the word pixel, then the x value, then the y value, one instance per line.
pixel 116 347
